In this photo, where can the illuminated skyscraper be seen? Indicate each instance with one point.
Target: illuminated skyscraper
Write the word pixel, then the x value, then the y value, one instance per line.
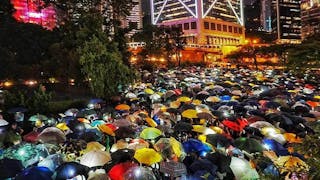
pixel 310 17
pixel 265 16
pixel 208 24
pixel 134 20
pixel 286 21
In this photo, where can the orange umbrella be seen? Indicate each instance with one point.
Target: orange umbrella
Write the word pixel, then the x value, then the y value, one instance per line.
pixel 122 107
pixel 292 138
pixel 106 129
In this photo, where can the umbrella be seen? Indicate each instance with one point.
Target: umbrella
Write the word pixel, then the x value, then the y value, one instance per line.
pixel 106 129
pixel 194 145
pixel 121 144
pixel 249 145
pixel 147 156
pixel 149 91
pixel 95 158
pixel 117 171
pixel 213 99
pixel 94 146
pixel 222 161
pixel 236 126
pixel 189 113
pixel 125 132
pixel 273 145
pixel 242 169
pixel 32 173
pixel 139 173
pixel 138 144
pixel 291 164
pixel 292 138
pixel 203 165
pixel 122 155
pixel 205 115
pixel 71 112
pixel 218 140
pixel 150 133
pixel 184 99
pixel 174 169
pixel 131 95
pixel 169 146
pixel 261 124
pixel 86 112
pixel 51 162
pixel 62 126
pixel 151 122
pixel 202 129
pixel 3 122
pixel 70 170
pixel 10 167
pixel 52 135
pixel 122 107
pixel 95 123
pixel 121 123
pixel 183 127
pixel 38 117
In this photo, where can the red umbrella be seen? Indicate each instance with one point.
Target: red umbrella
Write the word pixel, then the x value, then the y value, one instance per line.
pixel 118 170
pixel 31 137
pixel 178 92
pixel 235 125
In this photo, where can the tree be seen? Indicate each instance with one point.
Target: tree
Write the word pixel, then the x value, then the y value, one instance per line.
pixel 103 67
pixel 247 51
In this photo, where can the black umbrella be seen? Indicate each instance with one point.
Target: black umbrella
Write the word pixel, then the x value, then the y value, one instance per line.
pixel 17 109
pixel 222 161
pixel 218 140
pixel 203 165
pixel 183 127
pixel 10 168
pixel 122 155
pixel 70 170
pixel 125 132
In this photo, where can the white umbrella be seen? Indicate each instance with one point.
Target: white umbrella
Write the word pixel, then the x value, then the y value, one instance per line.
pixel 242 169
pixel 95 158
pixel 3 122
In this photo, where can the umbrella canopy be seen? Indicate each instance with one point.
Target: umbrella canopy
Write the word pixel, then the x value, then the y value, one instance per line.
pixel 147 156
pixel 95 158
pixel 202 129
pixel 10 167
pixel 35 173
pixel 139 173
pixel 106 129
pixel 183 127
pixel 194 145
pixel 125 132
pixel 174 169
pixel 138 144
pixel 122 155
pixel 122 107
pixel 249 145
pixel 150 133
pixel 3 122
pixel 220 160
pixel 242 169
pixel 117 171
pixel 218 140
pixel 203 165
pixel 38 117
pixel 52 135
pixel 70 170
pixel 189 113
pixel 51 162
pixel 291 164
pixel 169 146
pixel 93 145
pixel 71 112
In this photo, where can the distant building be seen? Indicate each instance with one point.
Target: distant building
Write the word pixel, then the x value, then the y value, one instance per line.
pixel 286 21
pixel 31 11
pixel 210 26
pixel 310 17
pixel 135 20
pixel 252 13
pixel 265 15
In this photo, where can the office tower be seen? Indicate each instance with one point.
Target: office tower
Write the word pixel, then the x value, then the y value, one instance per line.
pixel 310 17
pixel 209 25
pixel 265 15
pixel 134 20
pixel 252 11
pixel 286 21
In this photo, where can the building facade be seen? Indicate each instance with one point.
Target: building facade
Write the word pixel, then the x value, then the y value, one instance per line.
pixel 286 21
pixel 265 15
pixel 134 20
pixel 310 17
pixel 208 25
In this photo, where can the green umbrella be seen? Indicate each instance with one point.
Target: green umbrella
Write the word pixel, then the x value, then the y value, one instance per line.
pixel 249 145
pixel 38 117
pixel 150 133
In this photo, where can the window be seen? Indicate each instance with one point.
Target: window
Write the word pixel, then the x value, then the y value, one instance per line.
pixel 225 28
pixel 219 27
pixel 235 29
pixel 206 25
pixel 180 26
pixel 240 30
pixel 213 26
pixel 186 26
pixel 193 25
pixel 230 29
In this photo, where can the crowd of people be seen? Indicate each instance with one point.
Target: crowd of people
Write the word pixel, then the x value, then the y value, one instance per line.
pixel 192 123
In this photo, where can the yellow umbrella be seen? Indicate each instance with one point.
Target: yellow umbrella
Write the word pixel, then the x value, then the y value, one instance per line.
pixel 174 104
pixel 317 97
pixel 122 107
pixel 151 122
pixel 147 156
pixel 106 129
pixel 270 131
pixel 150 133
pixel 213 99
pixel 149 91
pixel 217 129
pixel 292 138
pixel 189 113
pixel 202 129
pixel 291 164
pixel 196 102
pixel 184 99
pixel 93 145
pixel 176 147
pixel 121 144
pixel 62 126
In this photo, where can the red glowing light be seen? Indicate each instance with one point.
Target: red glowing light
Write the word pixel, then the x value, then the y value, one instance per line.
pixel 32 11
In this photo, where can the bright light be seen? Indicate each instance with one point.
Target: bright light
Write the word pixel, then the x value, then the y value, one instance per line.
pixel 267 146
pixel 255 41
pixel 35 14
pixel 162 59
pixel 8 83
pixel 153 59
pixel 30 82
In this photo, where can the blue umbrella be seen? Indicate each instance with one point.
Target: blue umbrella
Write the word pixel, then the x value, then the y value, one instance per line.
pixel 10 167
pixel 225 98
pixel 194 145
pixel 70 169
pixel 95 123
pixel 273 145
pixel 271 170
pixel 51 162
pixel 36 172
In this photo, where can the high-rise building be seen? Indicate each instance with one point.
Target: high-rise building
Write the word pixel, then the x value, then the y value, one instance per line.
pixel 310 17
pixel 265 15
pixel 134 20
pixel 31 11
pixel 252 13
pixel 286 21
pixel 209 25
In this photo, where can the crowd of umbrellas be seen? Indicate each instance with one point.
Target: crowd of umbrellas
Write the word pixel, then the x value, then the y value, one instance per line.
pixel 194 123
